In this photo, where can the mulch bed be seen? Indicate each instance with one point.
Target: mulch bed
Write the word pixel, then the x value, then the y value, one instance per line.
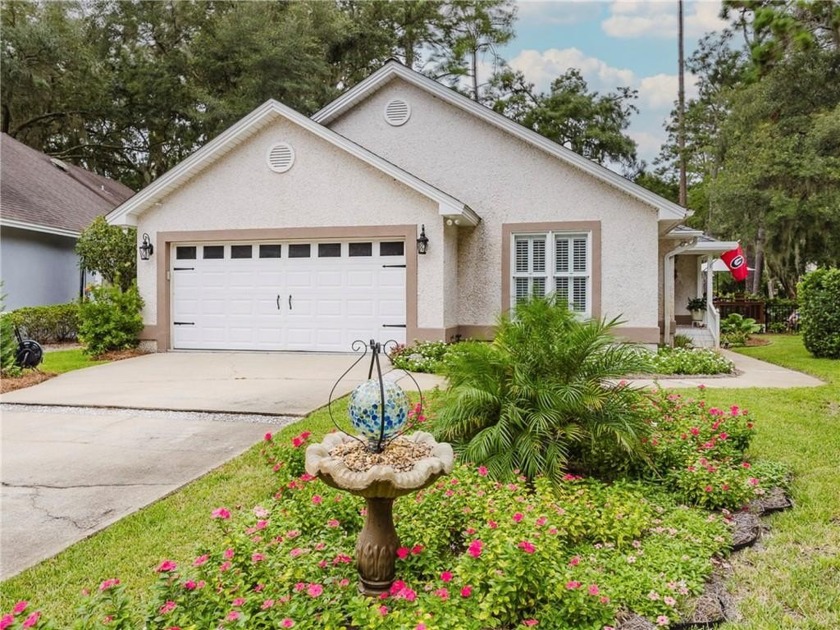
pixel 27 379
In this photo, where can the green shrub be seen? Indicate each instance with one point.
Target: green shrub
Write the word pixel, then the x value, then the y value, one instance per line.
pixel 48 324
pixel 538 398
pixel 819 312
pixel 683 341
pixel 110 319
pixel 8 343
pixel 689 361
pixel 422 356
pixel 736 329
pixel 110 251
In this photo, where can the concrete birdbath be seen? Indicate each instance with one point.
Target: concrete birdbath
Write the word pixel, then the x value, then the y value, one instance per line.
pixel 379 465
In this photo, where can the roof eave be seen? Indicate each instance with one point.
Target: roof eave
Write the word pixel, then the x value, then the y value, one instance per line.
pixel 35 227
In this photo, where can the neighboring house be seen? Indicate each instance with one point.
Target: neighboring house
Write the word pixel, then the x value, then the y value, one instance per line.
pixel 44 206
pixel 291 233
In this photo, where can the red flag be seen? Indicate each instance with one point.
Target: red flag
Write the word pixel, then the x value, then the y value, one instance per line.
pixel 736 262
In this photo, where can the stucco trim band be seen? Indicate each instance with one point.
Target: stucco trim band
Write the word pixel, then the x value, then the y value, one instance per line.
pixel 161 332
pixel 593 227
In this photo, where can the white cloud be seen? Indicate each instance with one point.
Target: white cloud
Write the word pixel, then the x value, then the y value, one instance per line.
pixel 541 68
pixel 653 18
pixel 647 143
pixel 660 90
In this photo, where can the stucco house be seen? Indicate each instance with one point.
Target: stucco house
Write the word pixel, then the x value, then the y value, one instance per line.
pixel 294 233
pixel 44 206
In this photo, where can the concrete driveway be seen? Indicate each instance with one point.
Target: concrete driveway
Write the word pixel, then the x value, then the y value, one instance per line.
pixel 86 448
pixel 238 382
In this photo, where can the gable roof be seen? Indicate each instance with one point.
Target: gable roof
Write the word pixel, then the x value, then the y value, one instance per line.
pixel 668 211
pixel 43 194
pixel 271 110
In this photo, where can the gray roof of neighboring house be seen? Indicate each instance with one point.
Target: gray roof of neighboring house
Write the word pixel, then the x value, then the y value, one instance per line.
pixel 37 190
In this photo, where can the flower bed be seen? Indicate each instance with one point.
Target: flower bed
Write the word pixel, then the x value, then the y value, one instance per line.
pixel 690 361
pixel 476 553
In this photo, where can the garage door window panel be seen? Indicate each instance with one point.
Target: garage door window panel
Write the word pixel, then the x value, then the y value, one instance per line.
pixel 361 249
pixel 300 250
pixel 241 251
pixel 185 253
pixel 213 252
pixel 329 250
pixel 271 251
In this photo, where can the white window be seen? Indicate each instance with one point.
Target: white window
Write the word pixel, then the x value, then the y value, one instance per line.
pixel 553 262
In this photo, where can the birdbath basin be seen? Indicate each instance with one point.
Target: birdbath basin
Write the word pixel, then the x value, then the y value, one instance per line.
pixel 409 463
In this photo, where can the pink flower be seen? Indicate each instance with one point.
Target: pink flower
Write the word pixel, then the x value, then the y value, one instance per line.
pixel 222 513
pixel 694 431
pixel 466 591
pixel 300 586
pixel 107 584
pixel 572 585
pixel 723 435
pixel 383 610
pixel 420 626
pixel 745 465
pixel 402 553
pixel 530 622
pixel 287 623
pixel 492 524
pixel 267 604
pixel 166 566
pixel 229 553
pixel 517 517
pixel 190 585
pixel 200 560
pixel 708 488
pixel 332 523
pixel 32 619
pixel 257 557
pixel 482 470
pixel 753 481
pixel 527 547
pixel 443 593
pixel 268 437
pixel 662 620
pixel 542 520
pixel 238 602
pixel 6 621
pixel 233 615
pixel 22 604
pixel 168 607
pixel 593 589
pixel 446 576
pixel 314 590
pixel 296 552
pixel 670 601
pixel 475 548
pixel 416 550
pixel 224 566
pixel 317 499
pixel 574 561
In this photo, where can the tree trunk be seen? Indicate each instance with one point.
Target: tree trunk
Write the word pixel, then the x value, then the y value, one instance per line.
pixel 475 73
pixel 759 261
pixel 681 111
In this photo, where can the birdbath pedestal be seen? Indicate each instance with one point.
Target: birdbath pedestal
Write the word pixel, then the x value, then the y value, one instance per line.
pixel 376 547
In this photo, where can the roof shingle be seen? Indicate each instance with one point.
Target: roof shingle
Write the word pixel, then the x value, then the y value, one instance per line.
pixel 37 189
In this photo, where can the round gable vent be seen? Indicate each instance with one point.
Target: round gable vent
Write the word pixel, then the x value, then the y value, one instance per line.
pixel 397 112
pixel 280 157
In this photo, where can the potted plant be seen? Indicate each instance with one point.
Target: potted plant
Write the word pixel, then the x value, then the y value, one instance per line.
pixel 697 305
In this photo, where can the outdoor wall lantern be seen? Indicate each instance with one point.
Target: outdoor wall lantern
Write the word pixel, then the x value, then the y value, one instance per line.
pixel 146 249
pixel 422 241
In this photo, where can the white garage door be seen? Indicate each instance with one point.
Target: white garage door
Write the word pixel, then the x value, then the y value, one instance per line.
pixel 314 296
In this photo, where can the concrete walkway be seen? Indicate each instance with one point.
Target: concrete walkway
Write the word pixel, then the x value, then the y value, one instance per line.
pixel 751 373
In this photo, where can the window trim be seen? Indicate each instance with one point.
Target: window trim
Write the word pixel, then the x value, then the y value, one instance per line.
pixel 591 228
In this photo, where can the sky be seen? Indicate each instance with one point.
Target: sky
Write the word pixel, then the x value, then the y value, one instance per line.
pixel 613 43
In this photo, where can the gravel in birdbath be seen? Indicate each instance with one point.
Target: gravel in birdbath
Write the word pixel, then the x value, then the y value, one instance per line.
pixel 400 453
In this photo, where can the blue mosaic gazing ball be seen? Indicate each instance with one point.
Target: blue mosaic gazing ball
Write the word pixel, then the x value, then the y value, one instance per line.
pixel 364 409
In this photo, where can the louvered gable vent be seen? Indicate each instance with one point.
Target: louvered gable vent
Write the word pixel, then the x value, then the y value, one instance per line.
pixel 280 157
pixel 397 112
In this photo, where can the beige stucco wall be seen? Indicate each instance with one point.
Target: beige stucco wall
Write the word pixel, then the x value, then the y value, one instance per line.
pixel 506 180
pixel 325 187
pixel 685 286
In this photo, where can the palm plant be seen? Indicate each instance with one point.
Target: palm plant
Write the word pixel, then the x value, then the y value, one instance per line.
pixel 538 398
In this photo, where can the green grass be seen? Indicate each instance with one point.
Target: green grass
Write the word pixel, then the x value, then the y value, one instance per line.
pixel 61 361
pixel 793 580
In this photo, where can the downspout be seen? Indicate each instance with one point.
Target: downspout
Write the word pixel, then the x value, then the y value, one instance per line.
pixel 668 287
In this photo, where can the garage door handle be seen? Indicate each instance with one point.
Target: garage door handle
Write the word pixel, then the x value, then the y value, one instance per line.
pixel 278 301
pixel 290 302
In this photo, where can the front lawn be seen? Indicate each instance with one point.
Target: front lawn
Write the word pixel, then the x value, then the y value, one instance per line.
pixel 55 362
pixel 792 583
pixel 794 580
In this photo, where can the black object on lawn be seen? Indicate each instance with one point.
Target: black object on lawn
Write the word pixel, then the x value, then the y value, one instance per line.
pixel 29 352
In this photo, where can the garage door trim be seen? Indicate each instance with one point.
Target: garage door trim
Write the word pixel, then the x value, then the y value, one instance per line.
pixel 161 331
